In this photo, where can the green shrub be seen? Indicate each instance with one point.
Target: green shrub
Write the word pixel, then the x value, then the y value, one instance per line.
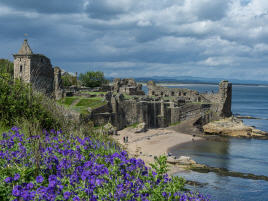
pixel 6 66
pixel 92 79
pixel 68 80
pixel 18 102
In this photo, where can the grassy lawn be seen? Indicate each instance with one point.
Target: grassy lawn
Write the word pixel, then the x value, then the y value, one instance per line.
pixel 83 103
pixel 93 93
pixel 68 100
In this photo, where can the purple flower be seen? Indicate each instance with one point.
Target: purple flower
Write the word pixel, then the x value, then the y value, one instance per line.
pixel 66 195
pixel 8 180
pixel 15 128
pixel 39 179
pixel 16 177
pixel 76 198
pixel 16 191
pixel 30 186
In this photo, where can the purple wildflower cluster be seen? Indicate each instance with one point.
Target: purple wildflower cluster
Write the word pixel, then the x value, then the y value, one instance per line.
pixel 55 166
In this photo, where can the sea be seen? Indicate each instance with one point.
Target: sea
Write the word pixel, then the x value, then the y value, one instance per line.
pixel 239 155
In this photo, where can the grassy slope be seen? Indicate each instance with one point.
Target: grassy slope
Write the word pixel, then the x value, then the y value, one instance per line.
pixel 93 93
pixel 68 100
pixel 83 103
pixel 2 130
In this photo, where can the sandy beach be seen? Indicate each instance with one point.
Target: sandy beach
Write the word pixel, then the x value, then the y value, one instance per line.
pixel 154 142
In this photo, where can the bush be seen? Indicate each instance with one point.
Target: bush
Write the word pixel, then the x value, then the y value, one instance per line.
pixel 18 102
pixel 92 79
pixel 68 80
pixel 64 167
pixel 6 67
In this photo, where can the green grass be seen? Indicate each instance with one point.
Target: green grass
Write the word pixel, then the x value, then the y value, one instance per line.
pixel 3 129
pixel 134 125
pixel 93 93
pixel 129 97
pixel 91 102
pixel 83 103
pixel 68 100
pixel 175 124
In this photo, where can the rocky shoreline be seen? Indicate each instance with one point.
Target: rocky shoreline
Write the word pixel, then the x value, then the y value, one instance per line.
pixel 148 144
pixel 233 127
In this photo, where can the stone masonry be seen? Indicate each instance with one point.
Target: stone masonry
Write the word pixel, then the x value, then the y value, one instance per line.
pixel 127 86
pixel 221 101
pixel 164 106
pixel 37 70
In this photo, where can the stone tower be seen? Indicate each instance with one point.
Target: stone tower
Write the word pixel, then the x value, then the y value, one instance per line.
pixel 34 68
pixel 225 93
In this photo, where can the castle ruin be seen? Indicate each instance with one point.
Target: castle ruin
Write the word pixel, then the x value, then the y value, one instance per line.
pixel 163 106
pixel 127 86
pixel 127 103
pixel 37 70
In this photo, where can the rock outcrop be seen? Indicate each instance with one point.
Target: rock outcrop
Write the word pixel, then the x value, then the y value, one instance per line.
pixel 109 129
pixel 182 160
pixel 233 127
pixel 142 127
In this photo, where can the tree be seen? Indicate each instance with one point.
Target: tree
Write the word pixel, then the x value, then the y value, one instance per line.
pixel 6 66
pixel 68 80
pixel 92 79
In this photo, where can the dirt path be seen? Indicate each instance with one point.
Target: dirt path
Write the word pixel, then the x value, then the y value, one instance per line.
pixel 75 102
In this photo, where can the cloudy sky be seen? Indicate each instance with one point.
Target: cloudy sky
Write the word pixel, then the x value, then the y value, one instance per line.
pixel 137 38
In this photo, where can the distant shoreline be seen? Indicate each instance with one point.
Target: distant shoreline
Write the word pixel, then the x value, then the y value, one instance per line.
pixel 196 83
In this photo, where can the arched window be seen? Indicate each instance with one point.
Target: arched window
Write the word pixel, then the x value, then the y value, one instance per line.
pixel 20 68
pixel 172 93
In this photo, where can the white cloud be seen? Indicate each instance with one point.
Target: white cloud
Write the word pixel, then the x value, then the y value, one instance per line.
pixel 142 38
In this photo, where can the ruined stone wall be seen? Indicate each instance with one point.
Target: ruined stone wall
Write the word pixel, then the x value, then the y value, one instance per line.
pixel 225 92
pixel 35 69
pixel 58 86
pixel 21 68
pixel 220 102
pixel 154 113
pixel 42 74
pixel 127 86
pixel 185 94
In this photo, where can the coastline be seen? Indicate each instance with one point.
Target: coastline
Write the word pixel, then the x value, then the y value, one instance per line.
pixel 154 143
